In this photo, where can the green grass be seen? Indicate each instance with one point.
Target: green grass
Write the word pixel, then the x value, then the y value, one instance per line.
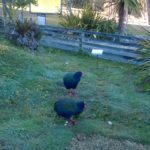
pixel 31 83
pixel 137 30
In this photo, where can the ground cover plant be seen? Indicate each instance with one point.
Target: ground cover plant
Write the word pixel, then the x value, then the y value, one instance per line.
pixel 31 83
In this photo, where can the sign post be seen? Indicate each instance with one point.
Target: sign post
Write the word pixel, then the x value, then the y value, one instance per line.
pixel 97 52
pixel 41 19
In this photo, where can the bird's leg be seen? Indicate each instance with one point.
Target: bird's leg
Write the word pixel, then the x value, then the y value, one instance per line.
pixel 72 121
pixel 72 92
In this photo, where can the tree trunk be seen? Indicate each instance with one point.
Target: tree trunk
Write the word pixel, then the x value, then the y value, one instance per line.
pixel 4 11
pixel 70 6
pixel 21 16
pixel 122 17
pixel 148 10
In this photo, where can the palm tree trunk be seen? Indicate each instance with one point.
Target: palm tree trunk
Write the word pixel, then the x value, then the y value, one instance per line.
pixel 148 10
pixel 122 17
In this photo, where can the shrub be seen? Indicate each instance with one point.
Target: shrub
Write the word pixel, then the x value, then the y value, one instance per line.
pixel 71 21
pixel 26 34
pixel 108 26
pixel 143 81
pixel 143 72
pixel 89 20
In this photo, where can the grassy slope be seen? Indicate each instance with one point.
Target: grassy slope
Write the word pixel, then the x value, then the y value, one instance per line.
pixel 30 84
pixel 137 30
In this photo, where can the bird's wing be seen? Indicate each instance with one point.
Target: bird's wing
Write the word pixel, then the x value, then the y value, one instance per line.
pixel 68 77
pixel 70 106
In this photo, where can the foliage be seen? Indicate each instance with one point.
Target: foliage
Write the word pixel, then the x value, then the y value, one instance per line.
pixel 143 81
pixel 10 7
pixel 133 6
pixel 122 7
pixel 143 71
pixel 22 3
pixel 108 26
pixel 70 20
pixel 89 20
pixel 97 4
pixel 146 45
pixel 27 34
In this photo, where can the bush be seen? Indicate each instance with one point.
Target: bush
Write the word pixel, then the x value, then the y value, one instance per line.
pixel 27 34
pixel 143 72
pixel 143 81
pixel 108 26
pixel 89 20
pixel 71 21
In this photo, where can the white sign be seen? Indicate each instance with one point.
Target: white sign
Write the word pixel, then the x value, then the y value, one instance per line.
pixel 41 20
pixel 97 51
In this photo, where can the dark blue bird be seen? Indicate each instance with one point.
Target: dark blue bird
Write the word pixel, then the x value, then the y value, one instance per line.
pixel 67 108
pixel 71 81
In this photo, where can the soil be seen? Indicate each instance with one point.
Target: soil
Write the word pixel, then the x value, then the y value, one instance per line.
pixel 104 143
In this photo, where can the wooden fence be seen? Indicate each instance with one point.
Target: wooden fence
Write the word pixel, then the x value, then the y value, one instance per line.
pixel 1 24
pixel 115 47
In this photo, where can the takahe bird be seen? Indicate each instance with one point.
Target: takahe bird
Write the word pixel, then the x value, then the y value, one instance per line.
pixel 67 108
pixel 71 81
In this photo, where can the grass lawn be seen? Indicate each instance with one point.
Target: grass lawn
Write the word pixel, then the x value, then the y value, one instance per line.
pixel 31 83
pixel 138 30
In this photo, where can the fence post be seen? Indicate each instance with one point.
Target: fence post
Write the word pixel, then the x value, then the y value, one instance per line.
pixel 81 41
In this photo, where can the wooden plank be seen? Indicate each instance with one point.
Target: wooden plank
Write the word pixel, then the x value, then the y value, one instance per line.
pixel 49 28
pixel 81 41
pixel 58 45
pixel 96 33
pixel 60 41
pixel 113 51
pixel 60 35
pixel 110 44
pixel 118 59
